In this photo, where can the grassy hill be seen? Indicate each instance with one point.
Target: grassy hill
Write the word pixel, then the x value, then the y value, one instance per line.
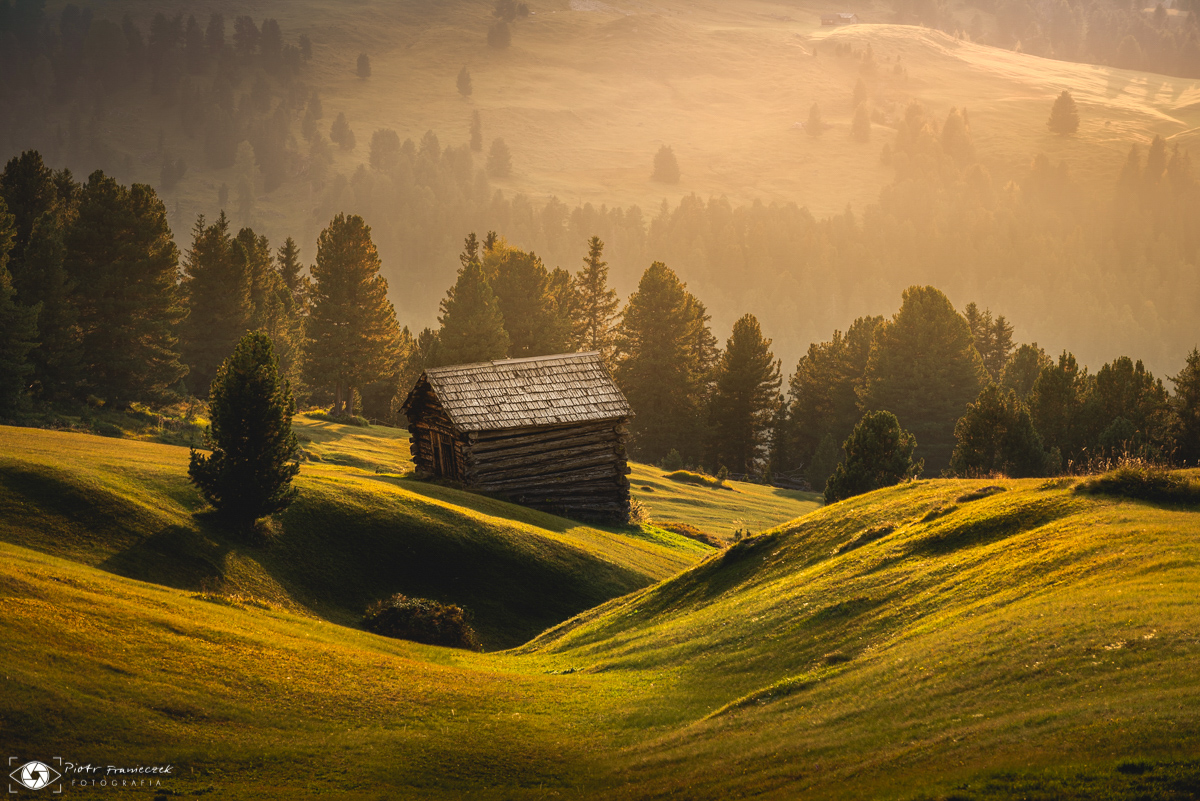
pixel 939 639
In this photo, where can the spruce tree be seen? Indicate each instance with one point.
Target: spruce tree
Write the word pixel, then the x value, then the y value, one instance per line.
pixel 218 289
pixel 472 327
pixel 1023 369
pixel 924 369
pixel 18 326
pixel 288 259
pixel 743 405
pixel 254 454
pixel 121 255
pixel 996 435
pixel 1064 115
pixel 351 329
pixel 1185 406
pixel 666 166
pixel 464 83
pixel 1057 407
pixel 476 132
pixel 530 313
pixel 598 304
pixel 878 454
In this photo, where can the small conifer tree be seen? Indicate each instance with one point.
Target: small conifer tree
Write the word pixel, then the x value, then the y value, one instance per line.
pixel 666 167
pixel 255 456
pixel 499 162
pixel 878 454
pixel 364 66
pixel 464 82
pixel 1064 115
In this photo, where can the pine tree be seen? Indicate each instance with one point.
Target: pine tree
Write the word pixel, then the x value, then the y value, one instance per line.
pixel 218 287
pixel 464 83
pixel 1064 115
pixel 472 327
pixel 499 161
pixel 476 132
pixel 18 325
pixel 878 454
pixel 1023 369
pixel 1001 348
pixel 121 255
pixel 351 328
pixel 860 129
pixel 814 126
pixel 666 167
pixel 531 319
pixel 1057 407
pixel 996 435
pixel 254 453
pixel 924 369
pixel 598 304
pixel 56 360
pixel 747 386
pixel 1185 406
pixel 288 259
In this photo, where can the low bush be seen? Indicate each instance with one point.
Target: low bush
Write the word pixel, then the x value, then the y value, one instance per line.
pixel 346 419
pixel 422 620
pixel 1144 481
pixel 699 479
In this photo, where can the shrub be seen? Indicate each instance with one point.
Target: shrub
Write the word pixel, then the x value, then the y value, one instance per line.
pixel 878 454
pixel 1144 481
pixel 699 479
pixel 422 620
pixel 672 461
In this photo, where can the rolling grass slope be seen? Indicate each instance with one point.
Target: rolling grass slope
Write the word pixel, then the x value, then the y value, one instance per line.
pixel 353 535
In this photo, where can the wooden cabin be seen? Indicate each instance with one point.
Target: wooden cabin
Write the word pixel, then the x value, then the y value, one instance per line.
pixel 547 432
pixel 839 18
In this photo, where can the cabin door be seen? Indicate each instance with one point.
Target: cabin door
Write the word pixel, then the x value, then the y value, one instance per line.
pixel 443 455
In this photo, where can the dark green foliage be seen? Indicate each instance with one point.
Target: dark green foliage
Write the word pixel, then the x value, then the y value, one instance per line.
pixel 666 167
pixel 464 82
pixel 664 366
pixel 743 405
pixel 254 455
pixel 598 304
pixel 363 69
pixel 924 369
pixel 18 326
pixel 1186 407
pixel 288 259
pixel 1064 115
pixel 1023 369
pixel 56 360
pixel 823 462
pixel 531 318
pixel 996 435
pixel 351 333
pixel 672 462
pixel 1144 481
pixel 878 454
pixel 217 287
pixel 499 160
pixel 992 337
pixel 422 620
pixel 1128 411
pixel 472 325
pixel 121 255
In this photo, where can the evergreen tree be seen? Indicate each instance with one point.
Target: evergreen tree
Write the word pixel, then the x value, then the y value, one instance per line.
pixel 1000 348
pixel 666 167
pixel 464 82
pixel 499 161
pixel 351 329
pixel 743 405
pixel 878 454
pixel 530 314
pixel 288 259
pixel 860 129
pixel 814 126
pixel 273 308
pixel 254 454
pixel 121 255
pixel 1023 369
pixel 340 133
pixel 598 304
pixel 565 303
pixel 823 463
pixel 1056 404
pixel 472 327
pixel 657 367
pixel 218 290
pixel 363 69
pixel 28 187
pixel 996 435
pixel 56 360
pixel 476 132
pixel 18 325
pixel 1128 411
pixel 1186 407
pixel 1064 115
pixel 924 369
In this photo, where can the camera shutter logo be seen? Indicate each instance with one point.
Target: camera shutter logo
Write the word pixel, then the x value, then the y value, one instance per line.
pixel 34 775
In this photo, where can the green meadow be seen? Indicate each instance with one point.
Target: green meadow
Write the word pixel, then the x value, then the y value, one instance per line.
pixel 939 639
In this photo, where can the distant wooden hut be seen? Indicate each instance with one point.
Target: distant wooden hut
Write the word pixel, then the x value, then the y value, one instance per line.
pixel 547 432
pixel 839 18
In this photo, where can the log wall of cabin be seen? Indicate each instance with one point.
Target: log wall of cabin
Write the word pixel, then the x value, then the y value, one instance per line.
pixel 430 426
pixel 578 470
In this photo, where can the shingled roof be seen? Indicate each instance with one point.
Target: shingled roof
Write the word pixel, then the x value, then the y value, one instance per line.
pixel 518 393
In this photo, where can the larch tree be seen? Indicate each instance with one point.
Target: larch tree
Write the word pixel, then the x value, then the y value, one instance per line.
pixel 472 327
pixel 924 369
pixel 351 329
pixel 530 313
pixel 121 255
pixel 288 259
pixel 217 286
pixel 743 406
pixel 1064 115
pixel 598 303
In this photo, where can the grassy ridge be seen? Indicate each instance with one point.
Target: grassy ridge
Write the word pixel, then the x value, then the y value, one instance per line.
pixel 353 536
